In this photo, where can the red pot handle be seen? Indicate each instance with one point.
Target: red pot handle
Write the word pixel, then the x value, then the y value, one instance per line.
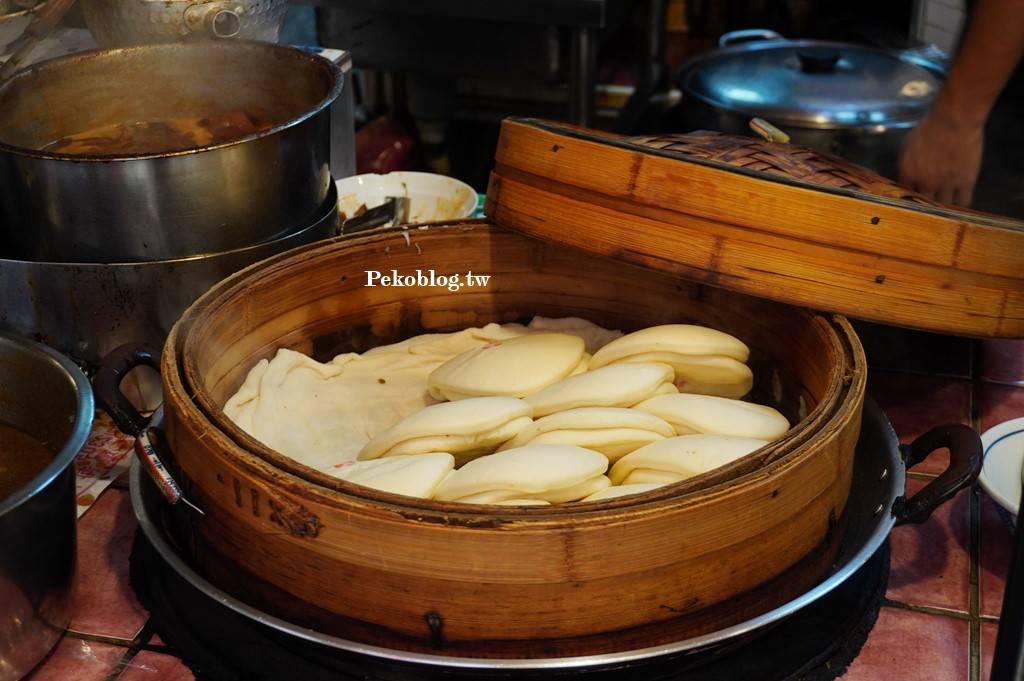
pixel 965 459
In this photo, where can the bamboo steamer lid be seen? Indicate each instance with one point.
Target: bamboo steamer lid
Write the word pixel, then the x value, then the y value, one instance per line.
pixel 767 219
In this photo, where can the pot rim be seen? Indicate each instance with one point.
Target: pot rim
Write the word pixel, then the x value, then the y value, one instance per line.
pixel 32 71
pixel 322 222
pixel 82 420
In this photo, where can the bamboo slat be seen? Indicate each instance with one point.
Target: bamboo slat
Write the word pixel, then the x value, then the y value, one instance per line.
pixel 886 256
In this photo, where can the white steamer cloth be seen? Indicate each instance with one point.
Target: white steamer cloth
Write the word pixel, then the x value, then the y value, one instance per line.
pixel 321 414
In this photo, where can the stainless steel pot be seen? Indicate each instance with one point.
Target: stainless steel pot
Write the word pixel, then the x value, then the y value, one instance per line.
pixel 60 207
pixel 116 23
pixel 855 101
pixel 85 310
pixel 45 395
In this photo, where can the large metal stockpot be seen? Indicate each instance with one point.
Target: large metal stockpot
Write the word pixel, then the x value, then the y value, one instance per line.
pixel 85 309
pixel 855 101
pixel 117 23
pixel 163 204
pixel 45 395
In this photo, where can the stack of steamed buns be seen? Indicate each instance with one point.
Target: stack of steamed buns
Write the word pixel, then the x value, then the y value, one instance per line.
pixel 555 412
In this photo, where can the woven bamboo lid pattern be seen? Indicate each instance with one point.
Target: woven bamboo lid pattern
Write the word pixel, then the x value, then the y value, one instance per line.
pixel 785 160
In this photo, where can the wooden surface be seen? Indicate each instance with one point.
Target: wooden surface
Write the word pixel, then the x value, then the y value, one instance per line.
pixel 461 579
pixel 833 249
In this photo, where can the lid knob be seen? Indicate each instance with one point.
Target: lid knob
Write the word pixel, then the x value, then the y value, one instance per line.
pixel 818 59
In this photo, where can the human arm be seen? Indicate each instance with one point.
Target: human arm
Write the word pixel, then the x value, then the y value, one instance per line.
pixel 941 157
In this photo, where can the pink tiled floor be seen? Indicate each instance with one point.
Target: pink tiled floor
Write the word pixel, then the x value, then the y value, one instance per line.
pixel 904 645
pixel 105 608
pixel 938 623
pixel 948 574
pixel 930 565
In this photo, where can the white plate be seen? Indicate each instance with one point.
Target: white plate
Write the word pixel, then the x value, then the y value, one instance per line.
pixel 1004 457
pixel 431 196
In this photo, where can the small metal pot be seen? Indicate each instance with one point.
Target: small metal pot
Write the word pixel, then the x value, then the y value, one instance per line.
pixel 116 23
pixel 45 395
pixel 159 205
pixel 855 101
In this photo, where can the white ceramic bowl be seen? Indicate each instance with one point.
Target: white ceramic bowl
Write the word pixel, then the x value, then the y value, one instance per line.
pixel 1002 471
pixel 431 197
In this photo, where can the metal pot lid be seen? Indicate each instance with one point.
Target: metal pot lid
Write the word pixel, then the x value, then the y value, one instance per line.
pixel 813 83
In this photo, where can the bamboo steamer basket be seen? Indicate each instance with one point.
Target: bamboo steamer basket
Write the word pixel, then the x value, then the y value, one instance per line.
pixel 497 582
pixel 748 237
pixel 741 235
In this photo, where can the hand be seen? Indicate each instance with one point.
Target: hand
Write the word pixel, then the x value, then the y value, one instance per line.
pixel 941 158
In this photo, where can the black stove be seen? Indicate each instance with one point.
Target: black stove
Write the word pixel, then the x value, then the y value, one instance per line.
pixel 816 643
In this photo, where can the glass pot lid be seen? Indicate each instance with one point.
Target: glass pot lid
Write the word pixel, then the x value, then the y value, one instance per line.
pixel 813 83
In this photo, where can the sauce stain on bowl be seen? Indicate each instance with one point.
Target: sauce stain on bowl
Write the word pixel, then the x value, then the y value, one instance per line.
pixel 432 197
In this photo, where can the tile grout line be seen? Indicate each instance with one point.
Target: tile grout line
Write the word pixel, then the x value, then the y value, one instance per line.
pixel 929 610
pixel 100 638
pixel 132 647
pixel 974 528
pixel 121 665
pixel 974 584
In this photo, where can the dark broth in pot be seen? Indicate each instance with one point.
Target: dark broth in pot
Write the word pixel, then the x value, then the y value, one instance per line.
pixel 22 457
pixel 177 134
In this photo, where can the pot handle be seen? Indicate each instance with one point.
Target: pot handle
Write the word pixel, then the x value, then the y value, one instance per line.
pixel 746 35
pixel 150 442
pixel 215 19
pixel 965 459
pixel 107 384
